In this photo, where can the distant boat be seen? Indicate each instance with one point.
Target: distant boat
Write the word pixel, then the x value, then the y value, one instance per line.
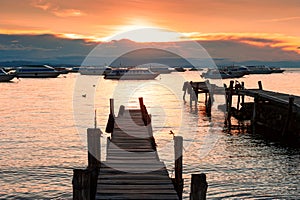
pixel 259 69
pixel 36 71
pixel 195 69
pixel 179 69
pixel 6 76
pixel 236 69
pixel 160 69
pixel 131 74
pixel 62 70
pixel 276 70
pixel 94 70
pixel 216 74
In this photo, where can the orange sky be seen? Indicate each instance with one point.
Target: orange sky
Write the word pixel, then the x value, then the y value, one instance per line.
pixel 204 19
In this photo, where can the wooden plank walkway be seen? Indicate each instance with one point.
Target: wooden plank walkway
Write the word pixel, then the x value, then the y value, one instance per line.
pixel 132 169
pixel 270 95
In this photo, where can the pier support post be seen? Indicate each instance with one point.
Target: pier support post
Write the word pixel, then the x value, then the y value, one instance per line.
pixel 229 103
pixel 107 145
pixel 255 105
pixel 111 107
pixel 243 96
pixel 178 146
pixel 260 85
pixel 121 111
pixel 81 184
pixel 198 187
pixel 93 140
pixel 288 118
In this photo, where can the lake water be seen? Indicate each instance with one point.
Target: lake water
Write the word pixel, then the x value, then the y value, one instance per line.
pixel 44 121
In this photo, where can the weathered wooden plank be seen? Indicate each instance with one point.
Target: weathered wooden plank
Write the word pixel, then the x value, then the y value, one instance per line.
pixel 137 196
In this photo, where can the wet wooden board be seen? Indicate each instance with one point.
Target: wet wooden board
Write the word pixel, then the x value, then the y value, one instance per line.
pixel 132 169
pixel 272 96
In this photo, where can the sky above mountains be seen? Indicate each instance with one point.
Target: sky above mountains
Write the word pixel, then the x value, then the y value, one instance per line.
pixel 230 31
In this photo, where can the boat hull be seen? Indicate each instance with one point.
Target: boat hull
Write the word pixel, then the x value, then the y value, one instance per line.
pixel 132 77
pixel 38 75
pixel 6 78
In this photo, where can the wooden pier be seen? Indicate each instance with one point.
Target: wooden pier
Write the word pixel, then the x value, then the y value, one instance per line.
pixel 276 112
pixel 132 169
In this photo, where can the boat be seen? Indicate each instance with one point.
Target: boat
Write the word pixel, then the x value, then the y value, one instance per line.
pixel 179 69
pixel 259 69
pixel 6 76
pixel 217 74
pixel 195 69
pixel 276 70
pixel 160 69
pixel 36 71
pixel 131 74
pixel 236 69
pixel 94 70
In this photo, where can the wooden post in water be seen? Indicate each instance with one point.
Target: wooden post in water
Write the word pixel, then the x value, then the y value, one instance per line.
pixel 111 106
pixel 243 96
pixel 121 111
pixel 229 105
pixel 192 93
pixel 107 144
pixel 111 120
pixel 255 105
pixel 198 187
pixel 178 146
pixel 93 140
pixel 288 118
pixel 260 85
pixel 81 184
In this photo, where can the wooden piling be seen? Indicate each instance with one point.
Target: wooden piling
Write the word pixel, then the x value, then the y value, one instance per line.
pixel 255 105
pixel 229 105
pixel 260 85
pixel 178 146
pixel 198 187
pixel 93 140
pixel 111 106
pixel 243 96
pixel 85 180
pixel 121 110
pixel 288 118
pixel 81 184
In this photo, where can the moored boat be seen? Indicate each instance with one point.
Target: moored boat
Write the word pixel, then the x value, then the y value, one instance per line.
pixel 236 69
pixel 131 74
pixel 94 70
pixel 6 76
pixel 36 71
pixel 259 69
pixel 179 69
pixel 276 70
pixel 160 69
pixel 217 74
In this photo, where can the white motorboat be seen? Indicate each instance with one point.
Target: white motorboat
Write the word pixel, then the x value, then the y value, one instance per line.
pixel 259 69
pixel 235 69
pixel 131 74
pixel 220 74
pixel 36 71
pixel 6 76
pixel 94 70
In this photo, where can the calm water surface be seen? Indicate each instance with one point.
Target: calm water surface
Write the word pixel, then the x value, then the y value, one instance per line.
pixel 42 136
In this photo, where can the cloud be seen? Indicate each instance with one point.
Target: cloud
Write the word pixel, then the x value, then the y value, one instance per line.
pixel 284 42
pixel 56 9
pixel 280 19
pixel 68 13
pixel 58 49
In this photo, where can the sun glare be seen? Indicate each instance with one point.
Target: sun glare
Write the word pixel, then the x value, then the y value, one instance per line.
pixel 140 33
